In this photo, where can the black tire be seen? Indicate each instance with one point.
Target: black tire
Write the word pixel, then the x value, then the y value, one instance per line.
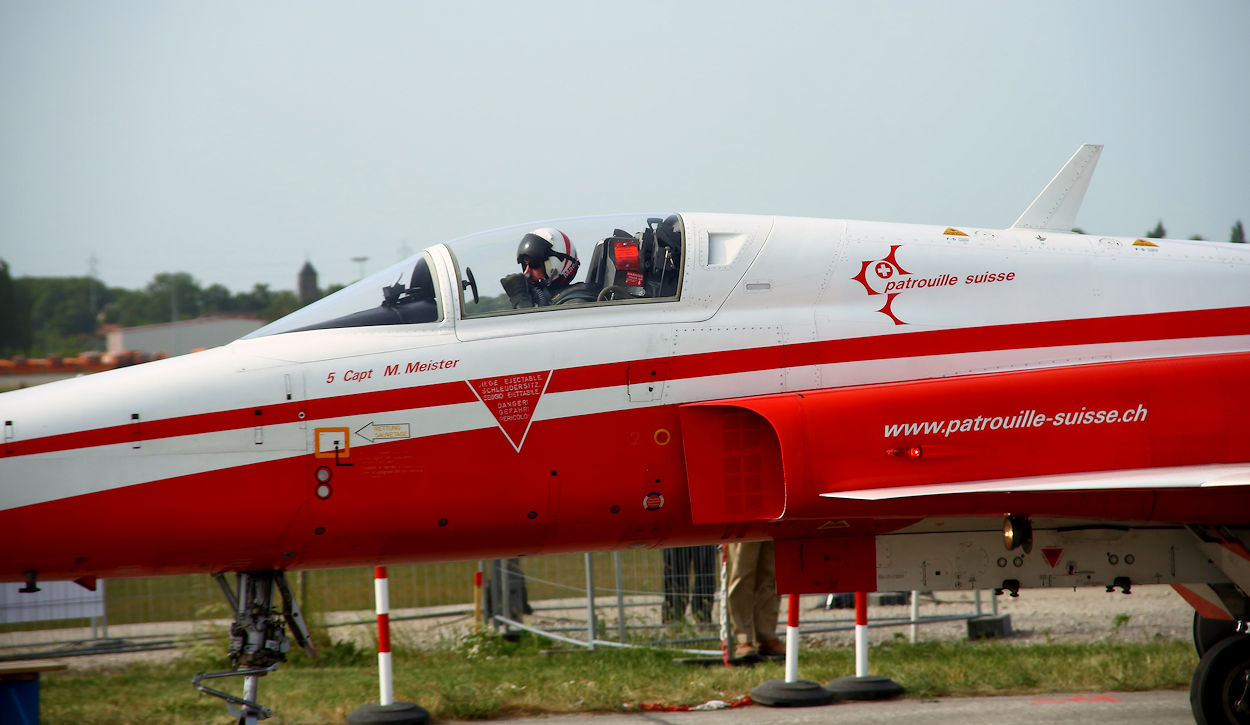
pixel 1209 632
pixel 1220 681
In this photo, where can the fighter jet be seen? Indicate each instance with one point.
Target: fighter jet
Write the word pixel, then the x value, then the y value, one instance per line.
pixel 897 406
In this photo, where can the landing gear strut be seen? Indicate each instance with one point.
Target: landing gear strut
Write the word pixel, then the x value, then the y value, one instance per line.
pixel 257 638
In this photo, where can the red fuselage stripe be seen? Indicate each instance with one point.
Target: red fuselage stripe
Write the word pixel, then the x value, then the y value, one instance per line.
pixel 1101 330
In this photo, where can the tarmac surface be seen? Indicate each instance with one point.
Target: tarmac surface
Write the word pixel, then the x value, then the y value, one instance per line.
pixel 1166 707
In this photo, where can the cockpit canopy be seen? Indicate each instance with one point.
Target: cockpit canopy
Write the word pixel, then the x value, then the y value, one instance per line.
pixel 623 259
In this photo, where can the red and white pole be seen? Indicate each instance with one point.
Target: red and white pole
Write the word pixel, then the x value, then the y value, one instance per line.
pixel 381 593
pixel 726 637
pixel 791 692
pixel 477 597
pixel 388 711
pixel 792 638
pixel 863 686
pixel 861 634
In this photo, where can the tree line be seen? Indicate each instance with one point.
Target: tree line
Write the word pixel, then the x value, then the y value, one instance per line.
pixel 41 316
pixel 1237 235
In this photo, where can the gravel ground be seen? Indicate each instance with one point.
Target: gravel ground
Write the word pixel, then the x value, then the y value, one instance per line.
pixel 1059 615
pixel 1037 615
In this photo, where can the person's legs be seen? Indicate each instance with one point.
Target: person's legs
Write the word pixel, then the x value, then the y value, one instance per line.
pixel 743 560
pixel 704 561
pixel 676 573
pixel 767 601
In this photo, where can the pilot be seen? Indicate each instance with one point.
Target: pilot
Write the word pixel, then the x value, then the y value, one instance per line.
pixel 548 262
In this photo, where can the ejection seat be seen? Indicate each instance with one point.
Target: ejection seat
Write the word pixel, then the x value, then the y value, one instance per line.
pixel 624 266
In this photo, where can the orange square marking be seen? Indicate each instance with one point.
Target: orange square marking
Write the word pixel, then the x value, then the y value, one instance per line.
pixel 331 439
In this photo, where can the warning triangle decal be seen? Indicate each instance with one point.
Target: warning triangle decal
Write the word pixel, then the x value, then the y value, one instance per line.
pixel 1052 554
pixel 512 399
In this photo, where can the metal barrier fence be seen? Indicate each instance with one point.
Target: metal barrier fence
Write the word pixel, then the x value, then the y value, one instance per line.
pixel 582 600
pixel 614 615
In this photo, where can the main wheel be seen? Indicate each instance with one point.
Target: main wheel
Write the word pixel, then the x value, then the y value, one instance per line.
pixel 1220 691
pixel 1208 632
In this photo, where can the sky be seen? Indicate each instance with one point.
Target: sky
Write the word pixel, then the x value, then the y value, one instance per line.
pixel 237 140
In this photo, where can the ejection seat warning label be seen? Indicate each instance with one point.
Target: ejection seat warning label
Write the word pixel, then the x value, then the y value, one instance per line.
pixel 512 399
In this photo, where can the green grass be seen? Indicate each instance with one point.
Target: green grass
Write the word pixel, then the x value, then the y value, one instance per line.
pixel 483 676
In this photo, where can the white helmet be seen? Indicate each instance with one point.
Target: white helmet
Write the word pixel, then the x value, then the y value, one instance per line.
pixel 553 248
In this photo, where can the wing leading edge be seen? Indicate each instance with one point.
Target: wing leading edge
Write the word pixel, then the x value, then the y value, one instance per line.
pixel 1186 477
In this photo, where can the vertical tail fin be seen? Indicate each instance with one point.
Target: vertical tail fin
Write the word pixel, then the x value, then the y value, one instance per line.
pixel 1055 208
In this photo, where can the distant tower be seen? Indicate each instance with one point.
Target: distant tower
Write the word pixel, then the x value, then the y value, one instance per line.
pixel 307 284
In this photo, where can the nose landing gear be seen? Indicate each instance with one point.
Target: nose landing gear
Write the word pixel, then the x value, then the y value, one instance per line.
pixel 258 640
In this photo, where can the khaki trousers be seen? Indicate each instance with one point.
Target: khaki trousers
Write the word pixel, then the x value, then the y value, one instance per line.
pixel 753 600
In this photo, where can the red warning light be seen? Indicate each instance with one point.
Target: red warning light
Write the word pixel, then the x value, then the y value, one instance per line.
pixel 912 452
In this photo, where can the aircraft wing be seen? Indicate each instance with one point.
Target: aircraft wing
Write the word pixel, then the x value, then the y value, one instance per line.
pixel 1188 477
